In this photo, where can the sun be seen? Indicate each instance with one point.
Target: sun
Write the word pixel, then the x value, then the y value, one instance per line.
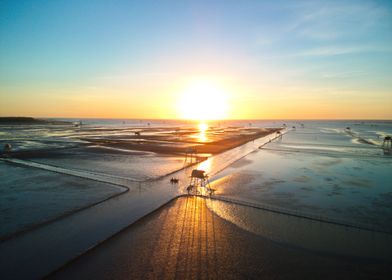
pixel 203 100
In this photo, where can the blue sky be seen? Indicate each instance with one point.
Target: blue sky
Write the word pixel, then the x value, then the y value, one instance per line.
pixel 338 53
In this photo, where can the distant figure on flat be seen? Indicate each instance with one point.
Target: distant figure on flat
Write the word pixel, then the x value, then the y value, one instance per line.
pixel 174 180
pixel 7 149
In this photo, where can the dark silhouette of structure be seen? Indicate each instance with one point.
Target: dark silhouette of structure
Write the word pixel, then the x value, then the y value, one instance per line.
pixel 78 124
pixel 387 145
pixel 199 181
pixel 190 155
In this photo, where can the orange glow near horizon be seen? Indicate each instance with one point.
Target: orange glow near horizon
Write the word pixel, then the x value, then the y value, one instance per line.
pixel 183 102
pixel 203 100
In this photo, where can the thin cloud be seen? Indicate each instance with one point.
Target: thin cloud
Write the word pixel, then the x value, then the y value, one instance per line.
pixel 342 75
pixel 342 50
pixel 323 21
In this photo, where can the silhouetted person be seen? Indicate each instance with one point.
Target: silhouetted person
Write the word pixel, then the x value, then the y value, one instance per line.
pixel 7 149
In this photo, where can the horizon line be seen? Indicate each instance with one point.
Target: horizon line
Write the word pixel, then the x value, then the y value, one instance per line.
pixel 216 120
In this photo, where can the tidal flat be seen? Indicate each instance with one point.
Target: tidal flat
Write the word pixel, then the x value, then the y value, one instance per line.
pixel 312 168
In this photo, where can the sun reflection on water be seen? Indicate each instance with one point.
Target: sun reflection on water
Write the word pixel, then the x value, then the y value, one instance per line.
pixel 203 127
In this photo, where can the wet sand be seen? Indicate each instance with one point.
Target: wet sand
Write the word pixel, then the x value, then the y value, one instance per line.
pixel 175 143
pixel 185 240
pixel 163 141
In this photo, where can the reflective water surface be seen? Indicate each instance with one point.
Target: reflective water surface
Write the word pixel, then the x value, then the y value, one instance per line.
pixel 319 170
pixel 305 233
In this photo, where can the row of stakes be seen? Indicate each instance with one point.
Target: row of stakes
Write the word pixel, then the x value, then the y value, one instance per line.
pixel 386 143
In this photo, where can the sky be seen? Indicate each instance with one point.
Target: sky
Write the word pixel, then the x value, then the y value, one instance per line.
pixel 138 59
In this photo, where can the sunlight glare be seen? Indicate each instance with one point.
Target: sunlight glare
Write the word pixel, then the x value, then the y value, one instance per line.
pixel 203 100
pixel 203 127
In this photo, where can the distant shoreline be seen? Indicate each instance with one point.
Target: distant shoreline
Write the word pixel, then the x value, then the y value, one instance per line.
pixel 28 120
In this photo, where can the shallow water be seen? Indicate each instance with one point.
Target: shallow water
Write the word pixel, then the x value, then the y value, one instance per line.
pixel 319 170
pixel 134 165
pixel 30 196
pixel 305 233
